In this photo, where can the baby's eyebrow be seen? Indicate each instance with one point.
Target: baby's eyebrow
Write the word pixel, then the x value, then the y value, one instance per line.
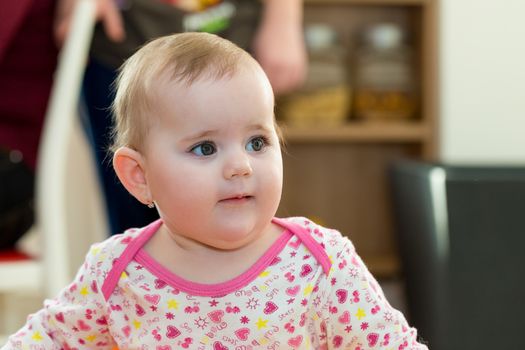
pixel 201 135
pixel 258 127
pixel 213 132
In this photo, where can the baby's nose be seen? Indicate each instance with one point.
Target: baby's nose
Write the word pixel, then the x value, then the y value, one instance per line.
pixel 238 164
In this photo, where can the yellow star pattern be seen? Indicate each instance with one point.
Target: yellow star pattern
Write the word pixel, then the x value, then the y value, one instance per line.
pixel 84 291
pixel 205 340
pixel 261 323
pixel 95 251
pixel 264 273
pixel 308 289
pixel 137 324
pixel 123 275
pixel 264 287
pixel 37 336
pixel 360 314
pixel 172 304
pixel 91 338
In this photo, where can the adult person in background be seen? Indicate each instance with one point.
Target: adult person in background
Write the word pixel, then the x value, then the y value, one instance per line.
pixel 28 58
pixel 270 29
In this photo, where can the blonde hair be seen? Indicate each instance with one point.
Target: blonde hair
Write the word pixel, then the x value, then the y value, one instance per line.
pixel 187 57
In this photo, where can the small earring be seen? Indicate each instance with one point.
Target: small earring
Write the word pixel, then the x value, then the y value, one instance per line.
pixel 151 205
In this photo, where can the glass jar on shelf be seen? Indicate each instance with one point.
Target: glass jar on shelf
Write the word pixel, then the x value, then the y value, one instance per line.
pixel 384 75
pixel 325 97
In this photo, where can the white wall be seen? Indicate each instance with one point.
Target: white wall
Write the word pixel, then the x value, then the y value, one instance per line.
pixel 482 81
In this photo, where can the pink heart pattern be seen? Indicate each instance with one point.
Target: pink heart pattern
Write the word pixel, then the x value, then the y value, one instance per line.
pixel 270 307
pixel 372 339
pixel 292 291
pixel 127 331
pixel 219 346
pixel 216 316
pixel 295 342
pixel 102 321
pixel 296 303
pixel 139 310
pixel 341 295
pixel 242 333
pixel 83 326
pixel 152 298
pixel 172 332
pixel 60 317
pixel 337 341
pixel 306 269
pixel 163 347
pixel 159 284
pixel 344 318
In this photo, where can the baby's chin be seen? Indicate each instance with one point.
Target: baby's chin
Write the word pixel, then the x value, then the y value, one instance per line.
pixel 237 238
pixel 233 241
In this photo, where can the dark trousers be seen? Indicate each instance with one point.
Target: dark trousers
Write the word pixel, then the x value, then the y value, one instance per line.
pixel 124 211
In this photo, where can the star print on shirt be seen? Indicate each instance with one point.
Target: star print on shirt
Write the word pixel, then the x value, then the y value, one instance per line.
pixel 252 303
pixel 150 314
pixel 261 323
pixel 360 314
pixel 172 304
pixel 201 322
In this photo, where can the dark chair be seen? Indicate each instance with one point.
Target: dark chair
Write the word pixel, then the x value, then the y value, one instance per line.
pixel 461 233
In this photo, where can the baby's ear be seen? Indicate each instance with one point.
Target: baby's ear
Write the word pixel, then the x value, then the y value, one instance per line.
pixel 128 165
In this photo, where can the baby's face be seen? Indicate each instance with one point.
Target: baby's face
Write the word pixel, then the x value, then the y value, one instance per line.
pixel 212 159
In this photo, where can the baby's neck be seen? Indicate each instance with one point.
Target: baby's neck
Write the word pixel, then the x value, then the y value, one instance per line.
pixel 192 262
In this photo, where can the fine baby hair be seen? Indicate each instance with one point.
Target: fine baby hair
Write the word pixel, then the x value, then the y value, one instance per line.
pixel 196 135
pixel 182 57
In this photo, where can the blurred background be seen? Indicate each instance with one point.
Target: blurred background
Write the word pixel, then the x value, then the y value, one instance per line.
pixel 407 136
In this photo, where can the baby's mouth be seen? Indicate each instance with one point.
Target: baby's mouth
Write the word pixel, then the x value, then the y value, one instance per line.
pixel 238 199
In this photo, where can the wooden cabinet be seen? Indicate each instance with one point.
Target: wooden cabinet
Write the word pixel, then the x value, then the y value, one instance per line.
pixel 337 175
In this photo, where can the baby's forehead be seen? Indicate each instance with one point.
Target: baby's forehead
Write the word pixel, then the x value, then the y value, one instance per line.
pixel 166 86
pixel 185 78
pixel 244 93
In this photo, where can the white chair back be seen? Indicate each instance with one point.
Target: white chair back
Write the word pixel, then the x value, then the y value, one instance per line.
pixel 70 213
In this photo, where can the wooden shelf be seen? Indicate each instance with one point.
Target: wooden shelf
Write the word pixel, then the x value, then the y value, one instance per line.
pixel 395 132
pixel 369 2
pixel 339 172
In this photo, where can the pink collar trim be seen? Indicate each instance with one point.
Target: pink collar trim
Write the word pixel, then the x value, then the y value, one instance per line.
pixel 134 251
pixel 218 289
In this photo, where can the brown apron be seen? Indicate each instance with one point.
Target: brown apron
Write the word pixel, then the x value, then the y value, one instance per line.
pixel 235 20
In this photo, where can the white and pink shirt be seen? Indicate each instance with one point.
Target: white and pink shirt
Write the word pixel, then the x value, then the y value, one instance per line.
pixel 310 290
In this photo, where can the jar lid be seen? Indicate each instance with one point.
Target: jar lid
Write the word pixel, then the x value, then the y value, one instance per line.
pixel 319 36
pixel 384 36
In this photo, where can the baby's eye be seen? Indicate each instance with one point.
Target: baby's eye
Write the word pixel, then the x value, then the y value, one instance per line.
pixel 257 144
pixel 205 148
